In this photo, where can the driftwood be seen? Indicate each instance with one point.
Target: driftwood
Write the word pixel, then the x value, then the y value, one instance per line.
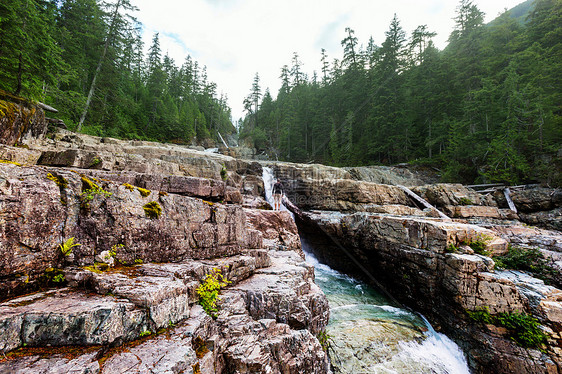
pixel 46 107
pixel 420 200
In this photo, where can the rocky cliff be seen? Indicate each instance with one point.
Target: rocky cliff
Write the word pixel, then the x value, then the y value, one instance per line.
pixel 148 224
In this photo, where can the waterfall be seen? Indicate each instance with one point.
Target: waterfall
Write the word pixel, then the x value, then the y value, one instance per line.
pixel 268 182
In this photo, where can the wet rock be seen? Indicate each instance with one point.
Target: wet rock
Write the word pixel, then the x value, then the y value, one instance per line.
pixel 20 120
pixel 470 211
pixel 343 194
pixel 19 155
pixel 395 175
pixel 38 215
pixel 530 237
pixel 237 341
pixel 285 292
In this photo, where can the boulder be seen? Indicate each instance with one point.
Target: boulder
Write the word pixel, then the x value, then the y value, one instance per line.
pixel 396 175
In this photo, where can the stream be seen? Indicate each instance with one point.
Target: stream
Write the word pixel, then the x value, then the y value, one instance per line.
pixel 369 333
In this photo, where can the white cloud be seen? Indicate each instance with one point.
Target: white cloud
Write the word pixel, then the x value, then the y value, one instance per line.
pixel 237 38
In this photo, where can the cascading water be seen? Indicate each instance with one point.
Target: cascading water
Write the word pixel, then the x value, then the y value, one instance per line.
pixel 369 333
pixel 268 182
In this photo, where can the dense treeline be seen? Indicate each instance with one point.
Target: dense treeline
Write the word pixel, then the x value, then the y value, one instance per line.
pixel 85 57
pixel 485 109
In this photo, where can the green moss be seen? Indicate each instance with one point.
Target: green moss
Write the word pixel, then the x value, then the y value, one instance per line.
pixel 97 268
pixel 465 201
pixel 58 179
pixel 451 248
pixel 145 333
pixel 87 184
pixel 480 244
pixel 144 192
pixel 224 173
pixel 152 210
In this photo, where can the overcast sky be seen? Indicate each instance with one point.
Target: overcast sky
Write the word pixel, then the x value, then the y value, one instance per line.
pixel 237 38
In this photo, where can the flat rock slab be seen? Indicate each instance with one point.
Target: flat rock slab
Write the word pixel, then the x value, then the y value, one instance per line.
pixel 55 364
pixel 66 317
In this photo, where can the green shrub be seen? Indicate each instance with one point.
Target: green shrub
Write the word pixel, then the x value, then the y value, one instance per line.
pixel 89 190
pixel 53 277
pixel 531 260
pixel 481 315
pixel 479 245
pixel 325 340
pixel 523 259
pixel 451 248
pixel 208 291
pixel 522 329
pixel 224 173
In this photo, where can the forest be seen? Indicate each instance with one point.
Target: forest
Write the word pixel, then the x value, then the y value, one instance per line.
pixel 86 58
pixel 485 109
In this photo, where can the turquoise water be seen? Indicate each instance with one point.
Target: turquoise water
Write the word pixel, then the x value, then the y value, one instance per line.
pixel 371 334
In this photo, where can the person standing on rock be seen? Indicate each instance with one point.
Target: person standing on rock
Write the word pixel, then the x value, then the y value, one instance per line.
pixel 277 195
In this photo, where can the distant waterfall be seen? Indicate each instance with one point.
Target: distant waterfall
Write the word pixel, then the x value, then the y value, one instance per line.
pixel 268 182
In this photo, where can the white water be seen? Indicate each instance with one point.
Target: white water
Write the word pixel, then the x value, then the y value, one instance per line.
pixel 356 305
pixel 212 150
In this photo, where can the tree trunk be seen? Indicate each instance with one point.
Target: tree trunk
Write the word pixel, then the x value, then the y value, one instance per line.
pixel 98 68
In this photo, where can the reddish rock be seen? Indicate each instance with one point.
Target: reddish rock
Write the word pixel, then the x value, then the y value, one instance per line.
pixel 277 228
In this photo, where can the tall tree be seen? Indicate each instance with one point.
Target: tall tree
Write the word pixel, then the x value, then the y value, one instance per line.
pixel 29 55
pixel 117 22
